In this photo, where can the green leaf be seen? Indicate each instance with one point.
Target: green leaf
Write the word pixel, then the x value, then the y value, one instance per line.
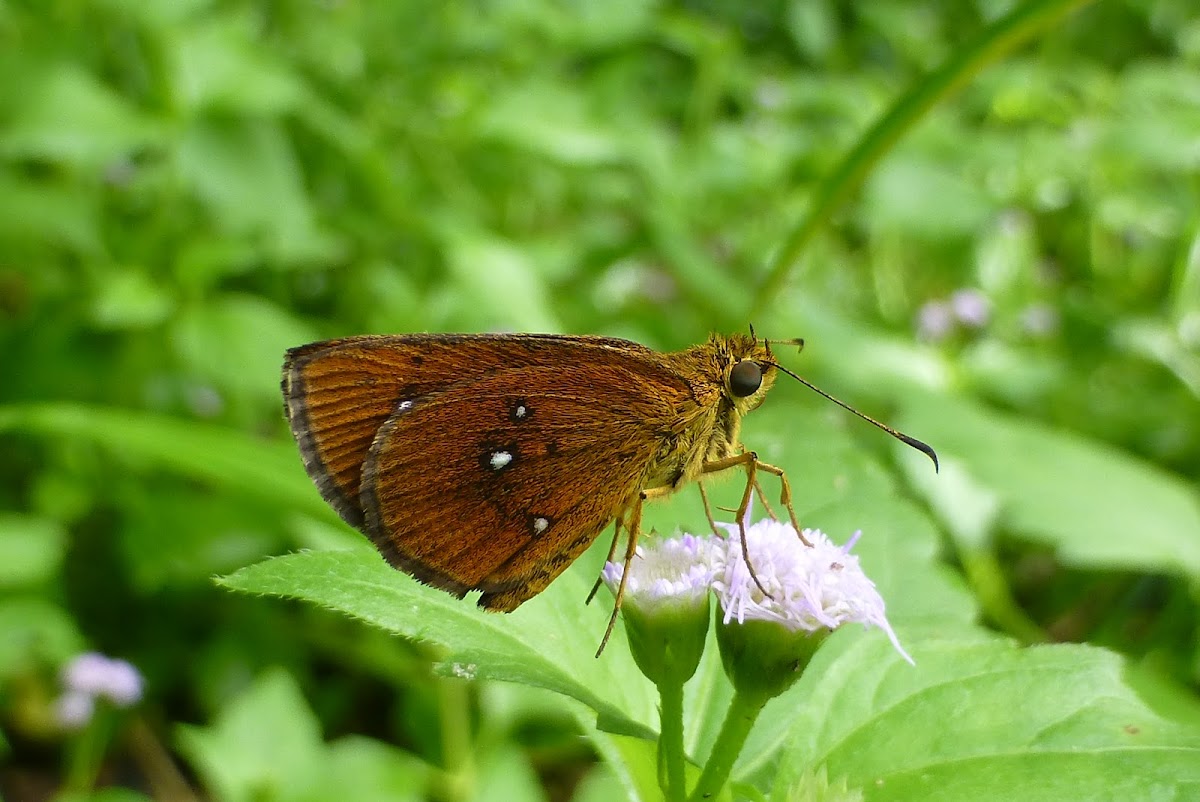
pixel 238 342
pixel 549 642
pixel 924 198
pixel 217 66
pixel 365 770
pixel 967 60
pixel 70 116
pixel 31 549
pixel 265 745
pixel 224 457
pixel 246 173
pixel 983 720
pixel 39 212
pixel 499 283
pixel 35 633
pixel 505 773
pixel 183 537
pixel 1098 507
pixel 130 299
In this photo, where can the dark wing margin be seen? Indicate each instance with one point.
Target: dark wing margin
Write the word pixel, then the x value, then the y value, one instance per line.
pixel 336 396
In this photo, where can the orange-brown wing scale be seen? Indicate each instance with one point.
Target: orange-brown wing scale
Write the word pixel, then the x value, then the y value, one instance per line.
pixel 498 484
pixel 339 392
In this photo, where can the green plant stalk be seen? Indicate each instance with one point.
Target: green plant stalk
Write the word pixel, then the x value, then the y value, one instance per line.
pixel 743 711
pixel 985 575
pixel 454 705
pixel 671 776
pixel 87 751
pixel 988 46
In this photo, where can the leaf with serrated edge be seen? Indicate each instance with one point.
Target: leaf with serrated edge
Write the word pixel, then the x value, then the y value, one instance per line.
pixel 549 642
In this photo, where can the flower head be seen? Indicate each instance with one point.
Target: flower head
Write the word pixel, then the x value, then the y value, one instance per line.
pixel 91 676
pixel 73 710
pixel 666 608
pixel 97 675
pixel 668 572
pixel 971 307
pixel 935 321
pixel 811 589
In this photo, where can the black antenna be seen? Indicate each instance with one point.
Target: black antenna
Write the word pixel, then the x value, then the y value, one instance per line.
pixel 924 448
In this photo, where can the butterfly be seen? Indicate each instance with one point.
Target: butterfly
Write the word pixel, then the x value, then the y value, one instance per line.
pixel 490 462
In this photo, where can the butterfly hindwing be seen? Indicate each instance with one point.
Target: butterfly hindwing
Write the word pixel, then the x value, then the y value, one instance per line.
pixel 499 483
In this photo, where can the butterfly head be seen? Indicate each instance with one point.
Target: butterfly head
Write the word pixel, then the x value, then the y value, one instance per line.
pixel 748 367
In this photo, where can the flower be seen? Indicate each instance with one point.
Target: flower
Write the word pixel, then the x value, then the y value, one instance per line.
pixel 811 588
pixel 1040 320
pixel 106 677
pixel 91 676
pixel 935 321
pixel 971 307
pixel 669 572
pixel 74 709
pixel 666 608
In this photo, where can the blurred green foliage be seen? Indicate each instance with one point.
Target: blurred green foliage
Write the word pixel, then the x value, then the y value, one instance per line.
pixel 189 188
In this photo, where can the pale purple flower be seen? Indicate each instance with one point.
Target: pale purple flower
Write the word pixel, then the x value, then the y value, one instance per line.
pixel 935 321
pixel 73 710
pixel 811 588
pixel 103 677
pixel 971 307
pixel 668 571
pixel 1039 320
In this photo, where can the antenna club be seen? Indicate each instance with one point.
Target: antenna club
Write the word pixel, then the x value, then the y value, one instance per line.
pixel 908 440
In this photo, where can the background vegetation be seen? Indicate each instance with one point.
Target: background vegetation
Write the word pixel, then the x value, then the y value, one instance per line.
pixel 189 188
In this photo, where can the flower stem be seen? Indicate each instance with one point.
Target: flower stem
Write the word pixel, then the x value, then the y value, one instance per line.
pixel 739 719
pixel 671 777
pixel 87 751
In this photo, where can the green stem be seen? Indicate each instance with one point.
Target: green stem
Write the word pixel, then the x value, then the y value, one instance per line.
pixel 454 705
pixel 87 752
pixel 739 719
pixel 995 597
pixel 671 776
pixel 988 46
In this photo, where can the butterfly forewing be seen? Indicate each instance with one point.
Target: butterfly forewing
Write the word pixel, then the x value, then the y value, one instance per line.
pixel 340 392
pixel 505 452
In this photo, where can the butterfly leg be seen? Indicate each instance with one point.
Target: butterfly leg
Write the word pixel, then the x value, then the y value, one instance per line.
pixel 712 522
pixel 762 497
pixel 612 552
pixel 785 497
pixel 748 460
pixel 634 531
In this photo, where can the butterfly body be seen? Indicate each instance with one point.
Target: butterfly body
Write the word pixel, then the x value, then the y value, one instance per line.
pixel 490 462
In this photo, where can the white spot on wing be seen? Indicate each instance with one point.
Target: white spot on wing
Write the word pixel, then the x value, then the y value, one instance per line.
pixel 521 411
pixel 500 459
pixel 540 525
pixel 403 405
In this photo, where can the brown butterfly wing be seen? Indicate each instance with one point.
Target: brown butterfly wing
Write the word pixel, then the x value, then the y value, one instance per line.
pixel 498 484
pixel 338 393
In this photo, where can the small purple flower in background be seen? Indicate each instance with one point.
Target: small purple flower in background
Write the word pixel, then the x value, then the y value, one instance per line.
pixel 971 307
pixel 1039 320
pixel 74 709
pixel 667 572
pixel 91 676
pixel 811 589
pixel 935 321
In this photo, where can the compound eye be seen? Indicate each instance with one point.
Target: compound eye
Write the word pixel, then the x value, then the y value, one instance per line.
pixel 745 378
